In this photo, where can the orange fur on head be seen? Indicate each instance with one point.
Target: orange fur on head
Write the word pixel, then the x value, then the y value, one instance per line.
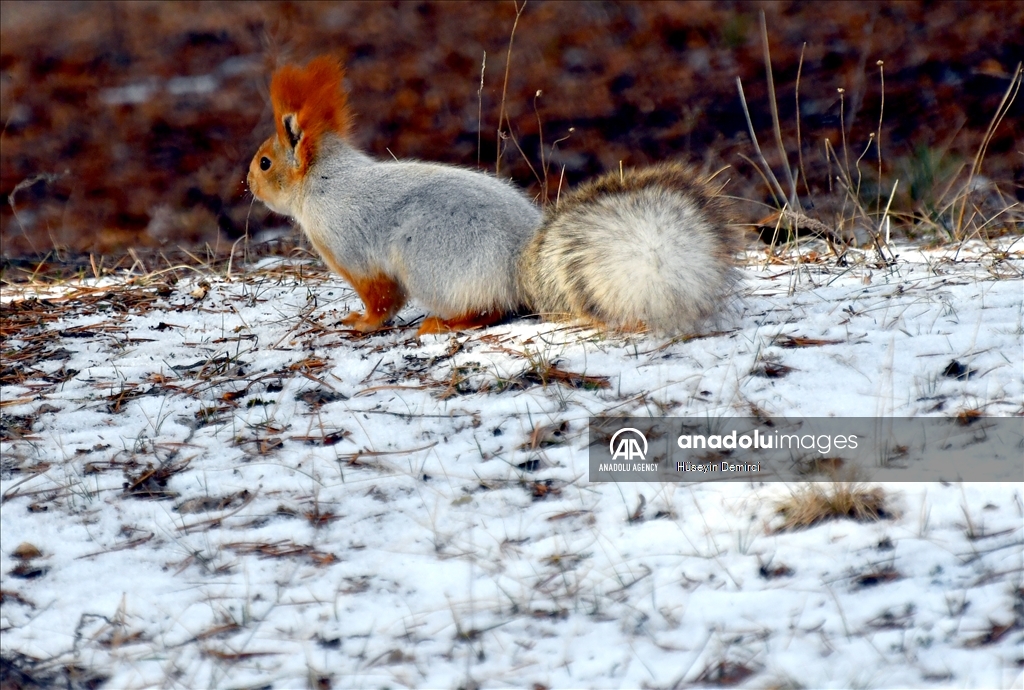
pixel 314 94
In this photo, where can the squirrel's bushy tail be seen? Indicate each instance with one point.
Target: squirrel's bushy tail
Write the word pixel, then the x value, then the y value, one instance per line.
pixel 646 248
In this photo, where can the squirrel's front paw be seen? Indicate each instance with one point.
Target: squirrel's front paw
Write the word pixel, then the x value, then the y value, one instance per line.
pixel 361 322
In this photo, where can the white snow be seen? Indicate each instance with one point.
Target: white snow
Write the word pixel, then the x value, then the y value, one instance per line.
pixel 425 549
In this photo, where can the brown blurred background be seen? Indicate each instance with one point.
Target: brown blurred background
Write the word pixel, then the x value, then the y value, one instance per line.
pixel 131 124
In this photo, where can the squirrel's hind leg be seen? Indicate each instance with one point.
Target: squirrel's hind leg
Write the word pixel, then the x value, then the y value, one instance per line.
pixel 435 324
pixel 382 296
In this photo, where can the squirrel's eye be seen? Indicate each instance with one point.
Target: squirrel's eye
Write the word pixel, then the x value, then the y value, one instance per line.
pixel 264 163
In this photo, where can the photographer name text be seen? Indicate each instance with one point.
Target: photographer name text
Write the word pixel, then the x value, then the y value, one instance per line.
pixel 700 467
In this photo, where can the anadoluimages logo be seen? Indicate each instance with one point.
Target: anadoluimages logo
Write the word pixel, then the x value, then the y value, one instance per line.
pixel 628 447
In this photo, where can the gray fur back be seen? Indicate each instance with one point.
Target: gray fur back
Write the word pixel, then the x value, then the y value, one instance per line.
pixel 452 237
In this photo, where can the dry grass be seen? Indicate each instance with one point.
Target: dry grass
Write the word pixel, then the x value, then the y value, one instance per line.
pixel 812 504
pixel 293 511
pixel 863 207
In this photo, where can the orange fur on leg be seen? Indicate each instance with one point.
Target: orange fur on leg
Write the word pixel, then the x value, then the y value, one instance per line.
pixel 383 298
pixel 435 324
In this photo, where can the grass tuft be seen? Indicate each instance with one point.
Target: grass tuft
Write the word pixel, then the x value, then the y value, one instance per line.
pixel 816 503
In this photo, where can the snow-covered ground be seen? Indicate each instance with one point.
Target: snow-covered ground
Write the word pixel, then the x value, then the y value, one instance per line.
pixel 209 484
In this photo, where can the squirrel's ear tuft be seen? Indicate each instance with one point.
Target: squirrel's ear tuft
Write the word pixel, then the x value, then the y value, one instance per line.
pixel 292 129
pixel 309 102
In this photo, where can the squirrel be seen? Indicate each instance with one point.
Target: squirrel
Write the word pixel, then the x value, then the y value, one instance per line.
pixel 632 250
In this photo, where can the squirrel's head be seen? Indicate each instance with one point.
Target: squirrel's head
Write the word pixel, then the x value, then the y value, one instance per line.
pixel 309 105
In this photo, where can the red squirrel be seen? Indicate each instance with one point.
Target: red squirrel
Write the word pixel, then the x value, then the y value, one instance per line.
pixel 650 248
